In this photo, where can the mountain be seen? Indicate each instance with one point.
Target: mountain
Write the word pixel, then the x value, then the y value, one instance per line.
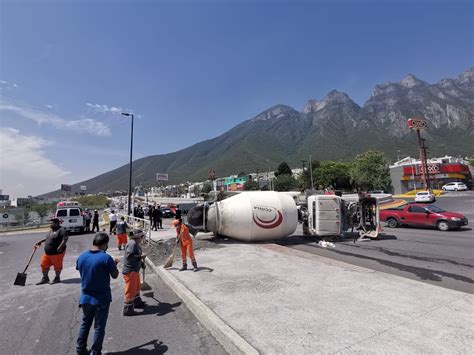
pixel 332 128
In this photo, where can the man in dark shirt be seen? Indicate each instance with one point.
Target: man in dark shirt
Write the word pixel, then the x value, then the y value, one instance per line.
pixel 131 273
pixel 54 250
pixel 95 267
pixel 95 221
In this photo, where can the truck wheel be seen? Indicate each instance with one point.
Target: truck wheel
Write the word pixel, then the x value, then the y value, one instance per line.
pixel 443 226
pixel 305 229
pixel 392 223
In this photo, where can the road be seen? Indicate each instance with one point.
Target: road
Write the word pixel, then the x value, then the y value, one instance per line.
pixel 45 319
pixel 440 258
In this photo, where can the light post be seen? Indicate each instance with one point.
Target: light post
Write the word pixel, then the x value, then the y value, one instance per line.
pixel 130 172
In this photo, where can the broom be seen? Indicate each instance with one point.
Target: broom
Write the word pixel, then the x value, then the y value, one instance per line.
pixel 170 260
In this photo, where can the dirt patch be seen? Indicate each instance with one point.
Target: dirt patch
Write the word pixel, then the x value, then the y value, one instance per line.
pixel 158 251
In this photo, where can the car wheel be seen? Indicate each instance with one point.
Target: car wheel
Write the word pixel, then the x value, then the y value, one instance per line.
pixel 443 226
pixel 392 223
pixel 456 189
pixel 444 188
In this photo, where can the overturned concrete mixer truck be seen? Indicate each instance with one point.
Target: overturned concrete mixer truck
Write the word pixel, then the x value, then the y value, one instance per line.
pixel 266 215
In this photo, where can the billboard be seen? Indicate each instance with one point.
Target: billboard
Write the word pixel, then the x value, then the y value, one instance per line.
pixel 4 197
pixel 161 177
pixel 65 187
pixel 83 187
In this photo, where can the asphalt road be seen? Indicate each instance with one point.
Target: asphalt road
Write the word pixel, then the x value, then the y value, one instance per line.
pixel 45 319
pixel 444 259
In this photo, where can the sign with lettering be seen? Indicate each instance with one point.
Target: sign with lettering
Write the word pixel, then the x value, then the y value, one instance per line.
pixel 417 123
pixel 161 177
pixel 66 187
pixel 432 168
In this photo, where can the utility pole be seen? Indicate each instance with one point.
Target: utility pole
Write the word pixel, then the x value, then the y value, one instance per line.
pixel 304 185
pixel 311 172
pixel 419 124
pixel 130 164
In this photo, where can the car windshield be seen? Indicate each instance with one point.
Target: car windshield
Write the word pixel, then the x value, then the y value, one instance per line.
pixel 434 209
pixel 422 193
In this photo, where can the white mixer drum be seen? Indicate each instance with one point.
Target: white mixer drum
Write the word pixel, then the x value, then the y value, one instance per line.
pixel 254 216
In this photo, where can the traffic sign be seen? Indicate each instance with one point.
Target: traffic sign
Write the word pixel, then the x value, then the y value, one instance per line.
pixel 417 123
pixel 211 174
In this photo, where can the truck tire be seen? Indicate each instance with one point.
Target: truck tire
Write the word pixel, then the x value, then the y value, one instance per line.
pixel 443 226
pixel 392 222
pixel 306 229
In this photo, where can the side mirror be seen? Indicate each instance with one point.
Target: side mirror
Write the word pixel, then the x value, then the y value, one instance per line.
pixel 427 211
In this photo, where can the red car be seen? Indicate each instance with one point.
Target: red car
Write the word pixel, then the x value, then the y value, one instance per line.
pixel 422 215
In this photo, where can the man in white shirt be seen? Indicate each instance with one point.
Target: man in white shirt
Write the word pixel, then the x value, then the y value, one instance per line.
pixel 113 221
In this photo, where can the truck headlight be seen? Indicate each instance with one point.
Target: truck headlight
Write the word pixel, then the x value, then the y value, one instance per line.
pixel 455 219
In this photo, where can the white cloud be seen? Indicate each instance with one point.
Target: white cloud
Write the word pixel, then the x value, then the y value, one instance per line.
pixel 25 168
pixel 49 106
pixel 3 82
pixel 7 85
pixel 86 125
pixel 104 108
pixel 15 85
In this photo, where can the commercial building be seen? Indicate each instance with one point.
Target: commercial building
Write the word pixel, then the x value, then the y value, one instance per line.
pixel 406 174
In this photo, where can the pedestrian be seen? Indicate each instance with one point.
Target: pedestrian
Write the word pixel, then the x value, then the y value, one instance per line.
pixel 186 241
pixel 132 263
pixel 54 250
pixel 156 217
pixel 160 217
pixel 95 267
pixel 113 221
pixel 177 212
pixel 150 215
pixel 121 230
pixel 95 221
pixel 87 217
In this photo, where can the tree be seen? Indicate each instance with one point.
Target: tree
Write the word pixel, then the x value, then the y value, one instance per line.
pixel 26 215
pixel 242 173
pixel 370 171
pixel 284 182
pixel 206 188
pixel 283 169
pixel 304 180
pixel 333 174
pixel 42 210
pixel 251 185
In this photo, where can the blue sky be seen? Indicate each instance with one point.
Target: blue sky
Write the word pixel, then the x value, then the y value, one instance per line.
pixel 190 70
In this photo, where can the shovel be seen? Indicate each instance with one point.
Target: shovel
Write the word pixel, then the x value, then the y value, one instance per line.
pixel 145 286
pixel 21 276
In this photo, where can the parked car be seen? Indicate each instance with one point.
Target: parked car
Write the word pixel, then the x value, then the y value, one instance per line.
pixel 167 213
pixel 454 186
pixel 422 215
pixel 425 196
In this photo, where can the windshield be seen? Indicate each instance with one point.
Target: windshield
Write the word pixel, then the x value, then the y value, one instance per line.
pixel 434 209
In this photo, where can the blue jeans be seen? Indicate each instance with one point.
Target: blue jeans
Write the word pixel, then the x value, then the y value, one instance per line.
pixel 98 314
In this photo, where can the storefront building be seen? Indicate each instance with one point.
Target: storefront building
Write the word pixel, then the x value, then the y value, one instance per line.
pixel 407 173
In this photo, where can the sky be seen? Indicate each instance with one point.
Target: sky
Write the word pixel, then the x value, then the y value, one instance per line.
pixel 191 70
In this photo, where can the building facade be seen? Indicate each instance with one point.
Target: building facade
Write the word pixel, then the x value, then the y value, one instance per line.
pixel 406 174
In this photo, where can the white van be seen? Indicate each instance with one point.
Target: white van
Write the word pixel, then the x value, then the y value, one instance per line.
pixel 70 216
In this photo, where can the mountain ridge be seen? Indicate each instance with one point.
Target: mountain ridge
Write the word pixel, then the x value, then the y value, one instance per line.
pixel 334 127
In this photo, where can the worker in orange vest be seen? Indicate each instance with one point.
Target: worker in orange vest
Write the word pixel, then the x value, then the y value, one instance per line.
pixel 182 233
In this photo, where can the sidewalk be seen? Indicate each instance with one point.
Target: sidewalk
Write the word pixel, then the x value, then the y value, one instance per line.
pixel 278 300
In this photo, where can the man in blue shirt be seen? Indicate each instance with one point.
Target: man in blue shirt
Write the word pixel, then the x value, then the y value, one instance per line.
pixel 95 267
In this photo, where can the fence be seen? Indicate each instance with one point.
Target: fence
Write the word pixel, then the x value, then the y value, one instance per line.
pixel 139 223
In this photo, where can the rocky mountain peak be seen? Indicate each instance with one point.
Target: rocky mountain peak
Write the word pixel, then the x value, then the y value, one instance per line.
pixel 410 81
pixel 333 96
pixel 466 77
pixel 274 112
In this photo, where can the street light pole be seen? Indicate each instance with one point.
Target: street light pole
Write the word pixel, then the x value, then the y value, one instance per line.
pixel 130 171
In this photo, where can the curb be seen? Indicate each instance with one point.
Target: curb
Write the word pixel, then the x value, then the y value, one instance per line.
pixel 232 342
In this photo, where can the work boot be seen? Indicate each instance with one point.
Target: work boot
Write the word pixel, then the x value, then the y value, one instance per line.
pixel 128 309
pixel 56 280
pixel 138 302
pixel 184 267
pixel 195 266
pixel 43 281
pixel 120 247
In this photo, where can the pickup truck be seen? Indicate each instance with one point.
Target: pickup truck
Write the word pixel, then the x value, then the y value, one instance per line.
pixel 422 215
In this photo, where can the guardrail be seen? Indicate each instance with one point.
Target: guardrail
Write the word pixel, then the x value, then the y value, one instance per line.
pixel 139 223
